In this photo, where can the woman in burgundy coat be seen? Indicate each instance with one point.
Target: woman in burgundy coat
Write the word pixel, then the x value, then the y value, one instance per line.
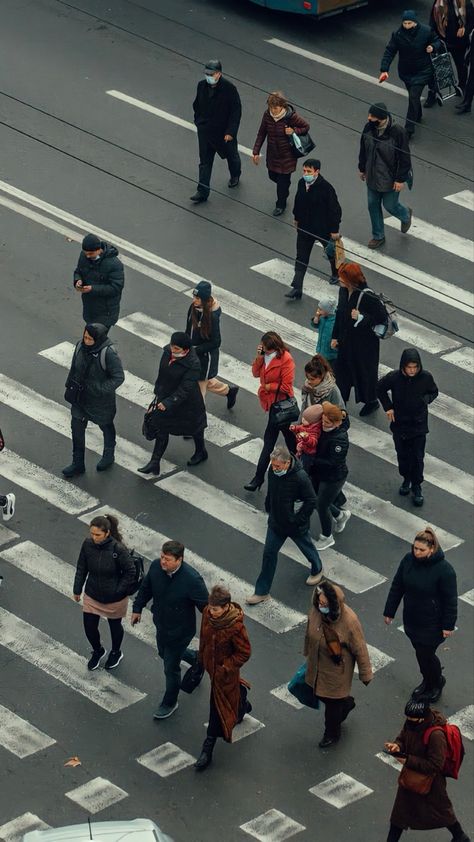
pixel 279 122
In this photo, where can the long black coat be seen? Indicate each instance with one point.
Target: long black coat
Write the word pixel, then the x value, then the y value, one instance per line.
pixel 206 349
pixel 97 400
pixel 384 158
pixel 410 396
pixel 317 209
pixel 217 112
pixel 105 275
pixel 285 494
pixel 107 570
pixel 178 389
pixel 428 588
pixel 414 63
pixel 357 362
pixel 175 599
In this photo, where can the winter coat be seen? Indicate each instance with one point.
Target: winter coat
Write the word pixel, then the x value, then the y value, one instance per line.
pixel 178 389
pixel 410 396
pixel 107 570
pixel 325 328
pixel 97 400
pixel 316 209
pixel 280 158
pixel 358 346
pixel 105 275
pixel 414 63
pixel 330 680
pixel 175 599
pixel 217 112
pixel 453 23
pixel 290 500
pixel 222 652
pixel 424 812
pixel 384 157
pixel 279 374
pixel 329 463
pixel 428 588
pixel 206 349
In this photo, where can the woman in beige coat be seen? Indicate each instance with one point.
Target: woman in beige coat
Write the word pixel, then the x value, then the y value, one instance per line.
pixel 334 643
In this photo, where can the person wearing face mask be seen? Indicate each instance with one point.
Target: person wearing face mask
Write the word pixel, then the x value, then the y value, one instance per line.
pixel 106 572
pixel 412 390
pixel 414 42
pixel 385 166
pixel 217 114
pixel 427 757
pixel 317 217
pixel 96 373
pixel 426 582
pixel 279 122
pixel 334 644
pixel 290 501
pixel 328 474
pixel 99 278
pixel 178 408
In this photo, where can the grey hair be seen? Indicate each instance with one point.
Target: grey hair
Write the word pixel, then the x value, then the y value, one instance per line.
pixel 281 453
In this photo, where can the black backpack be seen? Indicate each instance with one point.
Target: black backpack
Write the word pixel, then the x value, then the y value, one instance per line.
pixel 139 570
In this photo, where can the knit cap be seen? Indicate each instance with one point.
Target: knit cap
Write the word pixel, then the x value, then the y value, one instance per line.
pixel 312 414
pixel 203 290
pixel 416 708
pixel 410 14
pixel 91 243
pixel 379 110
pixel 328 305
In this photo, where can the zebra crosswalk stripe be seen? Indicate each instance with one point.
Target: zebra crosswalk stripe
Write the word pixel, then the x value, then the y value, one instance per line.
pixel 21 737
pixel 14 830
pixel 45 485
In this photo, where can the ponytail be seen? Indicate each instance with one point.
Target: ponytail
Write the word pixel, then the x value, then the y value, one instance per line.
pixel 428 536
pixel 108 523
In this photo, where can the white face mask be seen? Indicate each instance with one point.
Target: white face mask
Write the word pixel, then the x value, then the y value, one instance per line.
pixel 280 473
pixel 211 80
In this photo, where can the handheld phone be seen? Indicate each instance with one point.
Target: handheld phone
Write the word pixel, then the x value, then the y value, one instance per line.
pixel 394 753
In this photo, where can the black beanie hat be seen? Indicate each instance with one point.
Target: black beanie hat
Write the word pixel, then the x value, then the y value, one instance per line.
pixel 410 14
pixel 180 339
pixel 203 290
pixel 379 110
pixel 416 708
pixel 91 243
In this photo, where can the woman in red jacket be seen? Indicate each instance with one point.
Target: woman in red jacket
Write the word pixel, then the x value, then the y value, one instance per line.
pixel 275 367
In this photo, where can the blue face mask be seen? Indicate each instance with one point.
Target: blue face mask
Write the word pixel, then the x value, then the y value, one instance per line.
pixel 324 609
pixel 309 178
pixel 211 80
pixel 280 473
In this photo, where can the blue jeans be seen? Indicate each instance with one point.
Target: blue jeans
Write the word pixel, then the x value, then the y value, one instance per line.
pixel 391 203
pixel 273 544
pixel 172 654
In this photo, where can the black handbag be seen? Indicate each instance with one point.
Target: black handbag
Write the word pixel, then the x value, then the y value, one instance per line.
pixel 192 677
pixel 139 570
pixel 307 145
pixel 286 411
pixel 73 391
pixel 149 426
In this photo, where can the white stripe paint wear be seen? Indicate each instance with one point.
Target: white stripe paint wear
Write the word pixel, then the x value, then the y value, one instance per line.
pixel 439 237
pixel 48 487
pixel 166 760
pixel 465 199
pixel 14 830
pixel 20 737
pixel 272 826
pixel 96 795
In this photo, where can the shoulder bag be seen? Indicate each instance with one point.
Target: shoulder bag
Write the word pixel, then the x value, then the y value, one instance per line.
pixel 285 411
pixel 415 781
pixel 301 144
pixel 139 569
pixel 74 387
pixel 149 426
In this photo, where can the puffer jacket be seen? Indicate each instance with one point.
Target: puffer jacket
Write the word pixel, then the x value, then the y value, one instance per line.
pixel 107 570
pixel 106 277
pixel 290 500
pixel 410 396
pixel 280 158
pixel 207 349
pixel 329 464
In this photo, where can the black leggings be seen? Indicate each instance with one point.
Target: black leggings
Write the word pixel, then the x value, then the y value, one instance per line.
pixel 429 663
pixel 91 628
pixel 455 830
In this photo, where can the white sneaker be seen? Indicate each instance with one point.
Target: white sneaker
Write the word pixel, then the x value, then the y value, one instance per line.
pixel 324 542
pixel 8 509
pixel 341 520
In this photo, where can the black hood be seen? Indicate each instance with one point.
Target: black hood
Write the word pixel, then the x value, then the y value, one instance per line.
pixel 410 355
pixel 99 334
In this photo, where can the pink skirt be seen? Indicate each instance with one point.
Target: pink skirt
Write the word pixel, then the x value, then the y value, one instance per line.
pixel 109 610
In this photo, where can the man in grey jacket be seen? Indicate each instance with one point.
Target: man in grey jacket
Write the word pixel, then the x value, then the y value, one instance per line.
pixel 385 166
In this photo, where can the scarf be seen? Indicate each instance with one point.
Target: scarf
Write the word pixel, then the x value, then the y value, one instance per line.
pixel 332 642
pixel 228 619
pixel 441 12
pixel 320 392
pixel 279 116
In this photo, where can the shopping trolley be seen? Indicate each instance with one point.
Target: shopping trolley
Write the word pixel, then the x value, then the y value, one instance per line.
pixel 445 81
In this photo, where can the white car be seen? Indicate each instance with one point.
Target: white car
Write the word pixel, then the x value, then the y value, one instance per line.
pixel 135 830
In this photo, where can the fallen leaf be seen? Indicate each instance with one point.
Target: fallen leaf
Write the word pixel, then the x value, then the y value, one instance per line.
pixel 73 761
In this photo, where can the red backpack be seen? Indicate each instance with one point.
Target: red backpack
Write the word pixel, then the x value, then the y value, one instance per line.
pixel 454 748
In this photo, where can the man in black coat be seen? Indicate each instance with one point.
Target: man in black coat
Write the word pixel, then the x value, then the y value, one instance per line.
pixel 317 214
pixel 217 113
pixel 99 278
pixel 176 589
pixel 290 503
pixel 412 390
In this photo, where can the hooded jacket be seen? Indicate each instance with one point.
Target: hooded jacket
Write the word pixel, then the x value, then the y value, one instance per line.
pixel 410 396
pixel 107 570
pixel 178 389
pixel 384 157
pixel 97 400
pixel 290 500
pixel 105 275
pixel 280 158
pixel 414 63
pixel 317 209
pixel 428 588
pixel 207 349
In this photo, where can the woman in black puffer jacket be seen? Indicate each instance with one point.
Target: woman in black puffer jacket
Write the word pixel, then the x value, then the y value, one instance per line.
pixel 106 571
pixel 329 473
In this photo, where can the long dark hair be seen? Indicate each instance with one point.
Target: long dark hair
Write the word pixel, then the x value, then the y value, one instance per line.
pixel 273 342
pixel 108 523
pixel 204 323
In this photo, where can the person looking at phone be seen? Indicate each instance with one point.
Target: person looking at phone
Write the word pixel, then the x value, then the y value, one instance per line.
pixel 99 279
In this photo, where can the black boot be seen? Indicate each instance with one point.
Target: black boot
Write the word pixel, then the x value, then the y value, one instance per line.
pixel 329 740
pixel 151 467
pixel 430 100
pixel 254 485
pixel 420 690
pixel 404 489
pixel 107 459
pixel 464 107
pixel 77 465
pixel 198 457
pixel 294 294
pixel 205 757
pixel 418 498
pixel 432 695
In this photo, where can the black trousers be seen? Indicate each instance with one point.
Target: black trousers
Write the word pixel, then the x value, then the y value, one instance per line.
pixel 91 628
pixel 207 154
pixel 415 111
pixel 162 439
pixel 330 500
pixel 429 663
pixel 335 712
pixel 78 428
pixel 455 829
pixel 270 437
pixel 410 455
pixel 304 247
pixel 282 181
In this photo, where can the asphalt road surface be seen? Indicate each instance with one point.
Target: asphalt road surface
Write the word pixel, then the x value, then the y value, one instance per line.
pixel 77 158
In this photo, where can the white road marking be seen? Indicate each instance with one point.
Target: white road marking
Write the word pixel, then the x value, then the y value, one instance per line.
pixel 464 719
pixel 140 392
pixel 341 790
pixel 66 666
pixel 465 198
pixel 463 358
pixel 378 659
pixel 272 826
pixel 14 830
pixel 334 65
pixel 248 726
pixel 96 795
pixel 468 597
pixel 439 237
pixel 6 535
pixel 48 487
pixel 273 614
pixel 281 692
pixel 21 737
pixel 166 760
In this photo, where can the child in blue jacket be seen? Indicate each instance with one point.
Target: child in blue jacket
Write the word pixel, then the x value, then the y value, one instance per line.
pixel 323 320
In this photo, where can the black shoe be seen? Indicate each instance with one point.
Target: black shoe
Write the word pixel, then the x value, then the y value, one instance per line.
pixel 420 690
pixel 294 294
pixel 107 459
pixel 151 467
pixel 368 408
pixel 433 695
pixel 253 485
pixel 328 740
pixel 277 211
pixel 197 198
pixel 96 658
pixel 405 226
pixel 113 660
pixel 74 469
pixel 197 458
pixel 232 396
pixel 463 108
pixel 234 181
pixel 404 489
pixel 205 757
pixel 430 100
pixel 418 498
pixel 333 280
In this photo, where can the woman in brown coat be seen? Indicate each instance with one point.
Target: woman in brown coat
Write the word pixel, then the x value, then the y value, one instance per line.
pixel 334 643
pixel 411 810
pixel 279 122
pixel 223 649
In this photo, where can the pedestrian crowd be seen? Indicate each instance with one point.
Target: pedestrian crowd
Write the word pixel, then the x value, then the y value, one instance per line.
pixel 306 439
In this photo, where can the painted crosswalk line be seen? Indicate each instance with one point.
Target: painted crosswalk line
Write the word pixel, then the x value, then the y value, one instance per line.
pixel 166 760
pixel 48 487
pixel 462 357
pixel 464 719
pixel 341 790
pixel 281 692
pixel 468 597
pixel 272 826
pixel 465 198
pixel 96 795
pixel 7 535
pixel 273 614
pixel 248 726
pixel 57 660
pixel 439 237
pixel 14 830
pixel 20 737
